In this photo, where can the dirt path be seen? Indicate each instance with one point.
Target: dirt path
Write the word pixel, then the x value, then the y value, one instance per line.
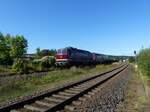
pixel 136 95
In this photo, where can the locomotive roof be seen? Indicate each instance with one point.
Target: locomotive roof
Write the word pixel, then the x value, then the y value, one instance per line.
pixel 77 49
pixel 88 51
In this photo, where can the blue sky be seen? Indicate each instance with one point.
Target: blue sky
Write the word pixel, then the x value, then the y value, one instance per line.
pixel 105 26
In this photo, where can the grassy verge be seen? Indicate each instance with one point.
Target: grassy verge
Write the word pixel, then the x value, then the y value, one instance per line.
pixel 53 79
pixel 4 69
pixel 137 95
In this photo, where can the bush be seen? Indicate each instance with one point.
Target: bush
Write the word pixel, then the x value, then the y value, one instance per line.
pixel 48 61
pixel 35 65
pixel 25 66
pixel 20 66
pixel 44 63
pixel 131 59
pixel 144 61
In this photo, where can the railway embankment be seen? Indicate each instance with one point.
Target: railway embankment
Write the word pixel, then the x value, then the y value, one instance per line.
pixel 15 87
pixel 57 99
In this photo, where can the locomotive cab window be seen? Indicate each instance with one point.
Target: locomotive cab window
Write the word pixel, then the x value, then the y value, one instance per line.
pixel 62 51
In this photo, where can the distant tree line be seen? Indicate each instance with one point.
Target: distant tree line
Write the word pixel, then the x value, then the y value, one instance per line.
pixel 131 59
pixel 45 52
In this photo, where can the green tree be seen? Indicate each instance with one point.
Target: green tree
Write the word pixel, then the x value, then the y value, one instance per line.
pixel 144 61
pixel 18 46
pixel 2 46
pixel 9 60
pixel 11 49
pixel 5 49
pixel 38 53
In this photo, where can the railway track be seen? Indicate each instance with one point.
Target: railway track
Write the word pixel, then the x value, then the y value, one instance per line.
pixel 56 100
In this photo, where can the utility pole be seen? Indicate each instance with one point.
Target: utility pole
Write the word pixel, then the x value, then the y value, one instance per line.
pixel 135 54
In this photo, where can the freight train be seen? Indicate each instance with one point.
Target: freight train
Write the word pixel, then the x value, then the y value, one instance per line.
pixel 72 56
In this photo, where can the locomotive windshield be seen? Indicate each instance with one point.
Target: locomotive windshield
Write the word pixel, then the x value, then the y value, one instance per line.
pixel 62 51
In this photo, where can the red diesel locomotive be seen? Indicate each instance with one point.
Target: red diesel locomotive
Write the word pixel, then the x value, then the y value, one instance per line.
pixel 72 56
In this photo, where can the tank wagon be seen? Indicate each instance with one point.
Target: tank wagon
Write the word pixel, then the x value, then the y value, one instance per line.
pixel 72 56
